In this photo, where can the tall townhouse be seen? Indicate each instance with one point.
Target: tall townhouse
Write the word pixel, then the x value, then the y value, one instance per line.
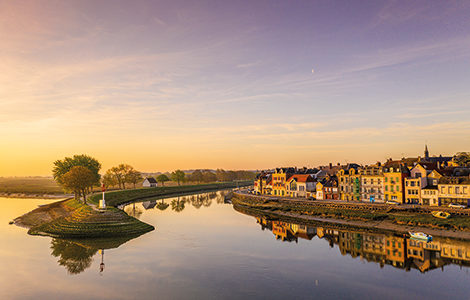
pixel 372 184
pixel 330 188
pixel 454 190
pixel 394 174
pixel 279 178
pixel 349 182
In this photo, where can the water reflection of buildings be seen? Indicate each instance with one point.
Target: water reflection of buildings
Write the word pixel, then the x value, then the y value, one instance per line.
pixel 384 249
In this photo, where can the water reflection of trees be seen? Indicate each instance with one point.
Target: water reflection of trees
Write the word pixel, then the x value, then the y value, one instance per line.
pixel 74 257
pixel 133 211
pixel 77 255
pixel 178 204
pixel 162 205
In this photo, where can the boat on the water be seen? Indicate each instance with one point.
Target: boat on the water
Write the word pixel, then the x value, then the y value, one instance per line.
pixel 441 214
pixel 421 236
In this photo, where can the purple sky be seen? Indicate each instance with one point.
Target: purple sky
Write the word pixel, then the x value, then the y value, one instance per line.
pixel 230 83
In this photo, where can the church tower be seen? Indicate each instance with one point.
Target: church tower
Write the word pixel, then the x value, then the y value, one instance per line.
pixel 426 152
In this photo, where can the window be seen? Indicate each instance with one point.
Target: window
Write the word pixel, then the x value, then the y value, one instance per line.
pixel 457 190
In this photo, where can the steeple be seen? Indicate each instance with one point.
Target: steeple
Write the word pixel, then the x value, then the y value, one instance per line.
pixel 426 152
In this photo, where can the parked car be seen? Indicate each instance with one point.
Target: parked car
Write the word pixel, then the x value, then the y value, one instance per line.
pixel 392 202
pixel 455 205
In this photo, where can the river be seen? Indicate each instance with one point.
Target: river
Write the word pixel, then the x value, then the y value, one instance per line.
pixel 202 248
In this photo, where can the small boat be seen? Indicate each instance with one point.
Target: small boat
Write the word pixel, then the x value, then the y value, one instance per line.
pixel 421 236
pixel 441 214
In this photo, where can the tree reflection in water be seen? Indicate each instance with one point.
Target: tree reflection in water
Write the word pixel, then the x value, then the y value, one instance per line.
pixel 74 257
pixel 177 204
pixel 162 205
pixel 77 255
pixel 133 211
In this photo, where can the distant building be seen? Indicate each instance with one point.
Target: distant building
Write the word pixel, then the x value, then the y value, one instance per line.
pixel 279 178
pixel 149 182
pixel 454 190
pixel 300 185
pixel 394 174
pixel 349 182
pixel 372 184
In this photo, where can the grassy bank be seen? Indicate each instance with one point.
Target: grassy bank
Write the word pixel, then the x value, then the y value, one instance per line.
pixel 400 217
pixel 115 198
pixel 72 219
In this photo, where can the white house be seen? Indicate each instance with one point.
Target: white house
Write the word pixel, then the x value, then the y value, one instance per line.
pixel 300 185
pixel 149 182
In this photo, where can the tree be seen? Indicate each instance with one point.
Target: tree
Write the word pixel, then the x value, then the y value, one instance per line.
pixel 196 176
pixel 133 176
pixel 162 178
pixel 109 179
pixel 61 167
pixel 78 180
pixel 178 176
pixel 462 159
pixel 208 176
pixel 121 174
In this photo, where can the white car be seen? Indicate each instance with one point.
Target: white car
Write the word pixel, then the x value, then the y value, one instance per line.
pixel 454 205
pixel 393 202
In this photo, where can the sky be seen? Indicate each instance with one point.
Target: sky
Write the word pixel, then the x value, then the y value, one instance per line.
pixel 172 84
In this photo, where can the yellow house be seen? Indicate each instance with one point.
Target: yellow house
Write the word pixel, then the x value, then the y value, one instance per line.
pixel 454 190
pixel 349 183
pixel 394 174
pixel 279 179
pixel 262 184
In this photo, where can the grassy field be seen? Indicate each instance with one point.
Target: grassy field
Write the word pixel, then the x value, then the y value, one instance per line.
pixel 72 219
pixel 398 217
pixel 29 185
pixel 115 198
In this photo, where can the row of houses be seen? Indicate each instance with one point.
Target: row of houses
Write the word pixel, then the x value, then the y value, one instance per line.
pixel 422 180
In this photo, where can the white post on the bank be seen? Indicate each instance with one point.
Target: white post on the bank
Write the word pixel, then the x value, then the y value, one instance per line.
pixel 102 201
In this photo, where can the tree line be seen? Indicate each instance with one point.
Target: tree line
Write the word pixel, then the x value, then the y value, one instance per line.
pixel 80 174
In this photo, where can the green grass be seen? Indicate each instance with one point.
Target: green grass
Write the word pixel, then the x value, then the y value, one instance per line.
pixel 115 198
pixel 85 222
pixel 29 185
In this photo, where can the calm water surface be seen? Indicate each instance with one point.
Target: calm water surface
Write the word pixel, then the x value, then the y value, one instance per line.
pixel 204 249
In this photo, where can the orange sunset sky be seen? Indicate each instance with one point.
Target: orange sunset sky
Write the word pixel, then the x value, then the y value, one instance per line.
pixel 171 85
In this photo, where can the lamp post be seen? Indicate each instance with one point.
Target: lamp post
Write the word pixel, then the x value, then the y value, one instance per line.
pixel 102 201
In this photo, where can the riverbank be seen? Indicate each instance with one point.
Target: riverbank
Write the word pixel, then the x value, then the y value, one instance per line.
pixel 73 219
pixel 383 218
pixel 121 197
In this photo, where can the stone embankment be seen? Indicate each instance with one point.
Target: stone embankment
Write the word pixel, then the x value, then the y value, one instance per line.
pixel 377 215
